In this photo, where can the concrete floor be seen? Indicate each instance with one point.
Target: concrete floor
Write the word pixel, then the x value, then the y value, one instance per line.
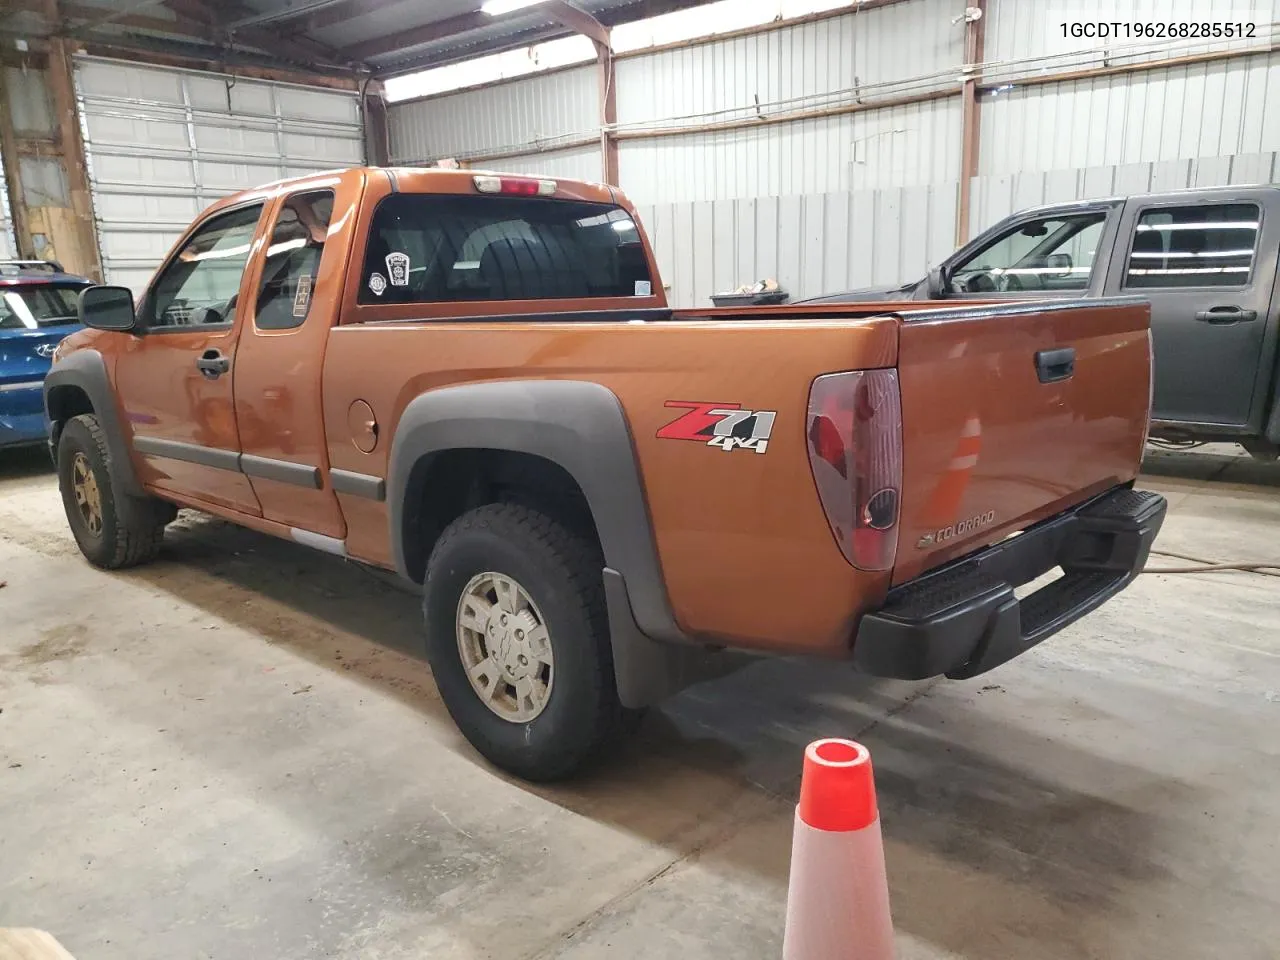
pixel 229 754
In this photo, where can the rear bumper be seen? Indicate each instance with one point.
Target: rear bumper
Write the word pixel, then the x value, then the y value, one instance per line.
pixel 965 619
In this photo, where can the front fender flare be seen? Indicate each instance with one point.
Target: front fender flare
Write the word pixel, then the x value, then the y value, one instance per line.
pixel 87 370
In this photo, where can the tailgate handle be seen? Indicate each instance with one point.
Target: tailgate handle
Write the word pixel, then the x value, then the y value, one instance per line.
pixel 1226 315
pixel 1055 365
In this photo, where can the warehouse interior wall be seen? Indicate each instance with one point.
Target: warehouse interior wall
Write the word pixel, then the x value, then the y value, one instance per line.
pixel 828 153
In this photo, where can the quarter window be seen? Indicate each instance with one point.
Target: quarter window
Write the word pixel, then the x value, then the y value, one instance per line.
pixel 442 249
pixel 1204 246
pixel 293 260
pixel 201 285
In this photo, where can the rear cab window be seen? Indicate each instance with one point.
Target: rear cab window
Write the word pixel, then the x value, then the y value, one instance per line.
pixel 445 248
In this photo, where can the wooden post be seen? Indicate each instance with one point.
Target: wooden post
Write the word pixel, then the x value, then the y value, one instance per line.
pixel 13 170
pixel 71 145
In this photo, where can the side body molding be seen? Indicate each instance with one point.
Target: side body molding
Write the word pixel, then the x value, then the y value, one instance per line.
pixel 87 371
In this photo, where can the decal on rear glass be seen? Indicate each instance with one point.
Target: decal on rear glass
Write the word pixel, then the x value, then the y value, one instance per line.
pixel 377 283
pixel 644 288
pixel 302 299
pixel 724 425
pixel 398 269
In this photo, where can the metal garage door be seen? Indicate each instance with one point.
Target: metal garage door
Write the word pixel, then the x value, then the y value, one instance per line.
pixel 163 144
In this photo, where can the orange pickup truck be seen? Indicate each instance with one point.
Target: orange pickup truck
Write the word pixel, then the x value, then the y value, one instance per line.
pixel 475 380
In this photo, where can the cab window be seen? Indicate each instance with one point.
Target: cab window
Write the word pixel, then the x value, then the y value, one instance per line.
pixel 1052 253
pixel 293 260
pixel 201 285
pixel 440 249
pixel 1204 246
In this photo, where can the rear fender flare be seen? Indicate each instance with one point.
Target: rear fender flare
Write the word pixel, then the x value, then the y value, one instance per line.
pixel 577 425
pixel 87 370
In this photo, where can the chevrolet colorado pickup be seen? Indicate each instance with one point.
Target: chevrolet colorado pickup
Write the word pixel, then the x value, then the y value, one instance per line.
pixel 1206 259
pixel 475 380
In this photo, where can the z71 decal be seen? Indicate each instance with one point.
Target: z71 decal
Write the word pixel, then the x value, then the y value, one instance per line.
pixel 723 425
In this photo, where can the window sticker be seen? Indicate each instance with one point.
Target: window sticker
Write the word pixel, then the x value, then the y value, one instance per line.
pixel 302 299
pixel 398 269
pixel 378 284
pixel 644 288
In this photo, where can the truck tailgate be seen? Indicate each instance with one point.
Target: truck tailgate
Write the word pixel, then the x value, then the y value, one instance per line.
pixel 1013 413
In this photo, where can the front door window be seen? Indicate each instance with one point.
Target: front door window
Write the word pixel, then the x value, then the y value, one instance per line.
pixel 1048 255
pixel 201 285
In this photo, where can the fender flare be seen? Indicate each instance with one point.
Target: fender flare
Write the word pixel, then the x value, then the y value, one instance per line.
pixel 87 370
pixel 581 427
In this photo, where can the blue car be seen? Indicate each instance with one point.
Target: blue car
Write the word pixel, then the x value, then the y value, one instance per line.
pixel 37 309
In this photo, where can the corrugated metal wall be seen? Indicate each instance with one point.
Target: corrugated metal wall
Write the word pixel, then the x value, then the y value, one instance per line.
pixel 576 163
pixel 526 113
pixel 819 71
pixel 1204 109
pixel 998 196
pixel 793 66
pixel 1021 29
pixel 908 145
pixel 810 244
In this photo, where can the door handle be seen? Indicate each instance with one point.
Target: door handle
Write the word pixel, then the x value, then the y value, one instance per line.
pixel 213 364
pixel 1226 315
pixel 1055 365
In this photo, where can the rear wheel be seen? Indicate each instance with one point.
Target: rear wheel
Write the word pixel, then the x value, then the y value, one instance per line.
pixel 518 640
pixel 112 529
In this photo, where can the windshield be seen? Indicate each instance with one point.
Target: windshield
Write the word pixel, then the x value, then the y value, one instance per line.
pixel 42 305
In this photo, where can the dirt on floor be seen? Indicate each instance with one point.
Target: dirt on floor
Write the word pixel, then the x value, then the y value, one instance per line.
pixel 237 752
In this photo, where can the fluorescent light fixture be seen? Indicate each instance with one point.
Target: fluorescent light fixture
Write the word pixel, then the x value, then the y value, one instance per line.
pixel 496 8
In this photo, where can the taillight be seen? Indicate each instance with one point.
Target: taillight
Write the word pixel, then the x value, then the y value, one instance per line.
pixel 854 431
pixel 517 186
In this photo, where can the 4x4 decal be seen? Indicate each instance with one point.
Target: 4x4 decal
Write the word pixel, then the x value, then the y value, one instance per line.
pixel 723 425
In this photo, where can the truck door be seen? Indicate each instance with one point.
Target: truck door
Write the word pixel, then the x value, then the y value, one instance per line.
pixel 277 389
pixel 1208 265
pixel 174 379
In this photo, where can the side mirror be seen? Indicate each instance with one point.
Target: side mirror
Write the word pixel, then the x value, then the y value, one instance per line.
pixel 107 308
pixel 938 286
pixel 1058 265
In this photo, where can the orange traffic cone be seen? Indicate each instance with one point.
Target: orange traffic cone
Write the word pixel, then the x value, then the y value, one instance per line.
pixel 838 899
pixel 943 507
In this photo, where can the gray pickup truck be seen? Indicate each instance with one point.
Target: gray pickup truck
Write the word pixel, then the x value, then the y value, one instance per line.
pixel 1206 260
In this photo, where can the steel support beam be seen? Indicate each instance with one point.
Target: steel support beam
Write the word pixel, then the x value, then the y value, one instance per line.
pixel 377 142
pixel 975 29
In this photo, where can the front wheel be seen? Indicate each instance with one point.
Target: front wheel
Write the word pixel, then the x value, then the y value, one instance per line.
pixel 518 640
pixel 112 529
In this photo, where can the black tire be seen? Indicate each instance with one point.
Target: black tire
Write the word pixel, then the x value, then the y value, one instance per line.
pixel 561 572
pixel 130 529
